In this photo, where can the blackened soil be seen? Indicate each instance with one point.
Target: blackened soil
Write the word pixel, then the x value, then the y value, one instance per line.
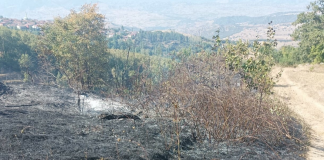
pixel 3 89
pixel 42 122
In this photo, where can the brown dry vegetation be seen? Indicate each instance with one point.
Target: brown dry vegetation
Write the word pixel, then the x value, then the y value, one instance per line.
pixel 204 94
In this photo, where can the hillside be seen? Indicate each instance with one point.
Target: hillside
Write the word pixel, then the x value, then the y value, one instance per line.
pixel 150 85
pixel 201 18
pixel 254 32
pixel 246 27
pixel 163 43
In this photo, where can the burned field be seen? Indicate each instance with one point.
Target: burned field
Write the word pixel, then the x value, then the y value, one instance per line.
pixel 43 122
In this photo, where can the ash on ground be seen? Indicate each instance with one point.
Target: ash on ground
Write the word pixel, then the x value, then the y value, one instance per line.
pixel 43 122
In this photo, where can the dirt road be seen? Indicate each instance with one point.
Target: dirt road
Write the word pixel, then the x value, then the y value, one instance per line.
pixel 303 90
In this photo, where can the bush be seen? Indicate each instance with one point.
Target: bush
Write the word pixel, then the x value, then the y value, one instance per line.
pixel 218 106
pixel 288 56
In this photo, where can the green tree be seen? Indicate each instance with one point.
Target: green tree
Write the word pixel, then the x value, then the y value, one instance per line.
pixel 287 56
pixel 8 55
pixel 252 63
pixel 310 26
pixel 78 45
pixel 13 44
pixel 26 64
pixel 317 53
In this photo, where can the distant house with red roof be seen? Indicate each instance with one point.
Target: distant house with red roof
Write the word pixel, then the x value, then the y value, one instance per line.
pixel 133 34
pixel 3 24
pixel 11 26
pixel 24 24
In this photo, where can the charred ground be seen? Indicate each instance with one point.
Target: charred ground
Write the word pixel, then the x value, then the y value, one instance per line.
pixel 43 122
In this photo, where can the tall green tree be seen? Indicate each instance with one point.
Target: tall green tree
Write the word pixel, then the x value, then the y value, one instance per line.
pixel 78 46
pixel 13 44
pixel 310 26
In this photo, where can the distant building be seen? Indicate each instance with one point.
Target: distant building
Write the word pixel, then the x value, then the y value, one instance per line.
pixel 35 27
pixel 111 35
pixel 3 24
pixel 133 34
pixel 26 18
pixel 22 27
pixel 28 25
pixel 16 22
pixel 42 22
pixel 11 25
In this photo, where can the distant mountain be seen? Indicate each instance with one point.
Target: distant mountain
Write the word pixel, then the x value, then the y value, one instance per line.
pixel 201 18
pixel 276 18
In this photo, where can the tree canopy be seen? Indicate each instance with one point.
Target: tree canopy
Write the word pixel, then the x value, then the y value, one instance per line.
pixel 79 47
pixel 13 44
pixel 310 26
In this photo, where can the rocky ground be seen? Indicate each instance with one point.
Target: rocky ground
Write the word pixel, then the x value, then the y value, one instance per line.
pixel 43 122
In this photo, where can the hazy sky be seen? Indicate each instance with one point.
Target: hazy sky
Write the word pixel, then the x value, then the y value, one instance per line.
pixel 47 9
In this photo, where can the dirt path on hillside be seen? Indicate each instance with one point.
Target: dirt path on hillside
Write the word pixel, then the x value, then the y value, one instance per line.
pixel 303 90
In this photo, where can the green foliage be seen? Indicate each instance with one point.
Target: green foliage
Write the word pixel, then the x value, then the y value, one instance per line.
pixel 287 56
pixel 158 42
pixel 252 63
pixel 317 53
pixel 310 32
pixel 13 44
pixel 129 69
pixel 77 45
pixel 73 52
pixel 25 64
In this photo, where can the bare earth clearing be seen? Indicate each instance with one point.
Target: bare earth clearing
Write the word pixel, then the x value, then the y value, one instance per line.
pixel 303 90
pixel 283 32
